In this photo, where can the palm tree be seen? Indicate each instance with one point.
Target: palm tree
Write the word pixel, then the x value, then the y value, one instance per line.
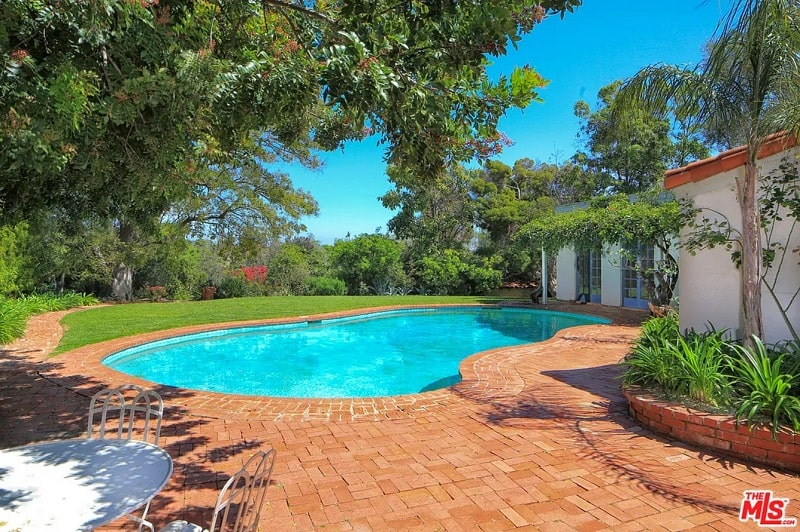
pixel 744 91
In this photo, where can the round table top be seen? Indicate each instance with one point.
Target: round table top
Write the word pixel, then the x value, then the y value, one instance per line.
pixel 78 484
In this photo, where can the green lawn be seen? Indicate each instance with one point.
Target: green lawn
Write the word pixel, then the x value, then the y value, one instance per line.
pixel 115 321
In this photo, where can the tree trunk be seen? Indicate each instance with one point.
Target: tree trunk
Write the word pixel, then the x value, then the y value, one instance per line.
pixel 122 274
pixel 122 282
pixel 751 251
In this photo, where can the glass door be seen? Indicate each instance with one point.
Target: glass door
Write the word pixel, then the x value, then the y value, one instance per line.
pixel 589 267
pixel 635 293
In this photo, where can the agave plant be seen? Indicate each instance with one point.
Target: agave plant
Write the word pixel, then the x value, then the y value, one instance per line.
pixel 765 388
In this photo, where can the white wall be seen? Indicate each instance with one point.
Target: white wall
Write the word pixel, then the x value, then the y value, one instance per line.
pixel 788 281
pixel 566 275
pixel 611 277
pixel 711 283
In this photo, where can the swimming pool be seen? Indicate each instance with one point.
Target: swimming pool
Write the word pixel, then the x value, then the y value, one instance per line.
pixel 384 353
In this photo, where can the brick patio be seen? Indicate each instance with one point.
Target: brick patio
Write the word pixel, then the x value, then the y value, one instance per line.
pixel 534 437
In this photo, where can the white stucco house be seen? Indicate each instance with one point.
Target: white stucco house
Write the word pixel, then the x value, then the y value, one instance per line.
pixel 602 276
pixel 710 283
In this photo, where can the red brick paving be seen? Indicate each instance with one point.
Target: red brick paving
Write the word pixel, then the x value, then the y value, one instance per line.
pixel 535 437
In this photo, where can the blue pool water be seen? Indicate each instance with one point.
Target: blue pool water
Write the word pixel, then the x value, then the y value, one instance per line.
pixel 378 354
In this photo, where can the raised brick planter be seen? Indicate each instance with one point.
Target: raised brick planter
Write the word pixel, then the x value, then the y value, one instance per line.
pixel 715 432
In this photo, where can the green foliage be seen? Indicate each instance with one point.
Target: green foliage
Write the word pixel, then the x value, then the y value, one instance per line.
pixel 651 364
pixel 173 263
pixel 368 260
pixel 701 359
pixel 628 150
pixel 743 91
pixel 648 221
pixel 325 286
pixel 433 214
pixel 15 275
pixel 691 365
pixel 450 272
pixel 764 389
pixel 704 368
pixel 14 313
pixel 289 270
pixel 607 221
pixel 136 94
pixel 233 286
pixel 13 318
pixel 134 114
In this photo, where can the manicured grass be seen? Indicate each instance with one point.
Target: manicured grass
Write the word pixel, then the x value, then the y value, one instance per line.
pixel 115 321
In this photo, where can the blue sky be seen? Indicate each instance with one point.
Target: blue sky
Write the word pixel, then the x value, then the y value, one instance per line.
pixel 600 42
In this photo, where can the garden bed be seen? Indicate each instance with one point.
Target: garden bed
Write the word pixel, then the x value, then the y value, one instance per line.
pixel 715 432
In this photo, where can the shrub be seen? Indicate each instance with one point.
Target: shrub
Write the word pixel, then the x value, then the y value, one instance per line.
pixel 701 360
pixel 758 386
pixel 325 286
pixel 13 317
pixel 691 365
pixel 764 389
pixel 232 287
pixel 451 272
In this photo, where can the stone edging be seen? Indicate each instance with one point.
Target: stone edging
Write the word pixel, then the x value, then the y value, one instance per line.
pixel 715 432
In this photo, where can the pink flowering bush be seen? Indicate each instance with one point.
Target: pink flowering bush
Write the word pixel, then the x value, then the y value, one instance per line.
pixel 244 281
pixel 253 274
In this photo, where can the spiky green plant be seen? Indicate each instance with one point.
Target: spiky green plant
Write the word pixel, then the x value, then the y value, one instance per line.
pixel 13 317
pixel 651 363
pixel 701 360
pixel 765 389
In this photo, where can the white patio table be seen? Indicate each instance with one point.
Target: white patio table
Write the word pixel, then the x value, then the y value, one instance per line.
pixel 78 484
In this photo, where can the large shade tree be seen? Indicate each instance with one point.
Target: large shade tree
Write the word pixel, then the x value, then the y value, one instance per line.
pixel 739 94
pixel 110 106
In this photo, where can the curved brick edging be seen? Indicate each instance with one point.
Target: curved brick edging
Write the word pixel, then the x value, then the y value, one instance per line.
pixel 489 374
pixel 715 432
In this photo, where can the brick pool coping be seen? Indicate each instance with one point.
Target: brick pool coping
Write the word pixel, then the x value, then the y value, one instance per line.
pixel 484 374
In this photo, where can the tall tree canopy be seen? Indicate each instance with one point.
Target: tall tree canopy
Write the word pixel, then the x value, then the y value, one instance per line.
pixel 436 216
pixel 132 109
pixel 106 104
pixel 740 94
pixel 627 151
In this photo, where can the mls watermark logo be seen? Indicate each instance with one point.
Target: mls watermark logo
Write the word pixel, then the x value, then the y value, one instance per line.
pixel 765 509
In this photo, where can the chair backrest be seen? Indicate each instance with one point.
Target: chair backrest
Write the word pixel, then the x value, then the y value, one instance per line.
pixel 126 412
pixel 241 499
pixel 232 504
pixel 259 467
pixel 106 414
pixel 145 413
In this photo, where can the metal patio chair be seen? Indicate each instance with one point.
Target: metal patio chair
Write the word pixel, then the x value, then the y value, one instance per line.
pixel 127 412
pixel 239 504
